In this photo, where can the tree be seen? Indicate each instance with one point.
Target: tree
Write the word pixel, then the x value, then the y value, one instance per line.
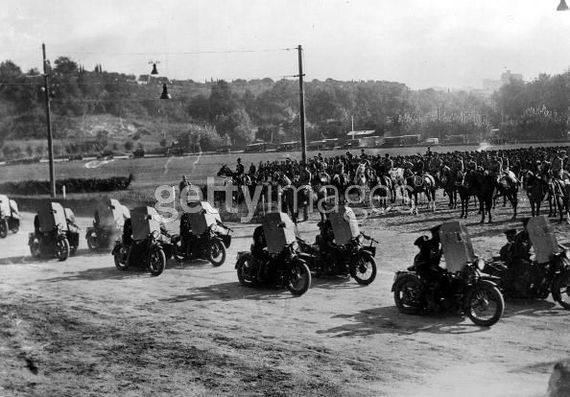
pixel 129 145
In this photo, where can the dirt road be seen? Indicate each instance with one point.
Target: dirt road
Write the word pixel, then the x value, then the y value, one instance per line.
pixel 81 327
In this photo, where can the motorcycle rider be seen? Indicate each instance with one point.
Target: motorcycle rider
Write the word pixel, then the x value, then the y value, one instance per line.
pixel 521 265
pixel 427 266
pixel 259 251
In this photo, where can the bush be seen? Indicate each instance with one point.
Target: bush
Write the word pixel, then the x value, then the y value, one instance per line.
pixel 72 185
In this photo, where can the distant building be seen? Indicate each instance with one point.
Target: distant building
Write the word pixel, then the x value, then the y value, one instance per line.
pixel 506 77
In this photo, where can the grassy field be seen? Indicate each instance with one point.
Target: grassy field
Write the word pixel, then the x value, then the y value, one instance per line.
pixel 152 172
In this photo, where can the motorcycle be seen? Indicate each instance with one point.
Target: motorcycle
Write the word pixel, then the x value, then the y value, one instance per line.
pixel 50 233
pixel 548 274
pixel 206 236
pixel 9 216
pixel 353 258
pixel 277 264
pixel 148 247
pixel 107 225
pixel 466 290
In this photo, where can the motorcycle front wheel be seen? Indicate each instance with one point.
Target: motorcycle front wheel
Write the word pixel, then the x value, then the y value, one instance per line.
pixel 246 268
pixel 299 278
pixel 408 295
pixel 156 262
pixel 364 270
pixel 561 290
pixel 3 228
pixel 485 305
pixel 62 248
pixel 217 253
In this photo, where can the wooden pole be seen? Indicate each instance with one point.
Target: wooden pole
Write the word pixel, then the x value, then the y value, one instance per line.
pixel 48 120
pixel 302 106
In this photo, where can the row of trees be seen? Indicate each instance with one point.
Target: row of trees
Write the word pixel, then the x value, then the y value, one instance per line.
pixel 217 113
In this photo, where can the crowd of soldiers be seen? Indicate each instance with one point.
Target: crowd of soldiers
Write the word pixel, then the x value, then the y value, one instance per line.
pixel 511 162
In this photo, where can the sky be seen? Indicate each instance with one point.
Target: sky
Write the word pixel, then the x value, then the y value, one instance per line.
pixel 438 43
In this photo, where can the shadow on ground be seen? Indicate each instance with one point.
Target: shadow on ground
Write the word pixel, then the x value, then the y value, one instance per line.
pixel 389 320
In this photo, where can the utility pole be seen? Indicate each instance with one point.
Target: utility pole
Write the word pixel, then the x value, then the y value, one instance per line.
pixel 302 106
pixel 48 119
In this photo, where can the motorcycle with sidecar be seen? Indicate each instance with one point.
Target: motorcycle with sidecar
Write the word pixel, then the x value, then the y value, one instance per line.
pixel 203 235
pixel 273 258
pixel 50 236
pixel 144 244
pixel 108 223
pixel 9 216
pixel 548 273
pixel 466 289
pixel 340 248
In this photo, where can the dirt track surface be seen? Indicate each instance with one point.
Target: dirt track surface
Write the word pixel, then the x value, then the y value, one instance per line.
pixel 81 327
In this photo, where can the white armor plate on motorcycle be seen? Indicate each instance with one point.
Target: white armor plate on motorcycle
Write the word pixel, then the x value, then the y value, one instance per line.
pixel 456 245
pixel 4 205
pixel 202 215
pixel 542 238
pixel 50 215
pixel 110 213
pixel 344 225
pixel 69 216
pixel 14 209
pixel 279 231
pixel 145 220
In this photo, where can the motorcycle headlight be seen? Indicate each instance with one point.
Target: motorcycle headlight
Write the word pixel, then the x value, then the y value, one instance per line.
pixel 566 254
pixel 294 246
pixel 480 264
pixel 214 227
pixel 155 234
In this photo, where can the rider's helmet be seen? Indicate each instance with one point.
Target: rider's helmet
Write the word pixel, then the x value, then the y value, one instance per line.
pixel 239 160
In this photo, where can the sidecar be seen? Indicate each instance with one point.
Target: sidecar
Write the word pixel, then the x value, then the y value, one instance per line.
pixel 9 216
pixel 50 232
pixel 148 247
pixel 108 224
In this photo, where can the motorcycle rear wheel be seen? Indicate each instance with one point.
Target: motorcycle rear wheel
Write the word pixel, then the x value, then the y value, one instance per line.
pixel 246 268
pixel 120 257
pixel 299 278
pixel 156 262
pixel 408 296
pixel 92 242
pixel 35 248
pixel 217 253
pixel 485 305
pixel 561 290
pixel 62 248
pixel 364 270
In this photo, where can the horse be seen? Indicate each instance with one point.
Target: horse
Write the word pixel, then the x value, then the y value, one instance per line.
pixel 420 184
pixel 450 185
pixel 559 193
pixel 398 184
pixel 237 180
pixel 465 191
pixel 340 181
pixel 536 189
pixel 482 185
pixel 360 179
pixel 380 186
pixel 508 187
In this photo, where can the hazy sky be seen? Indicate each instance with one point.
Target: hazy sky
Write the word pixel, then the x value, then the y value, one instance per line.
pixel 443 43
